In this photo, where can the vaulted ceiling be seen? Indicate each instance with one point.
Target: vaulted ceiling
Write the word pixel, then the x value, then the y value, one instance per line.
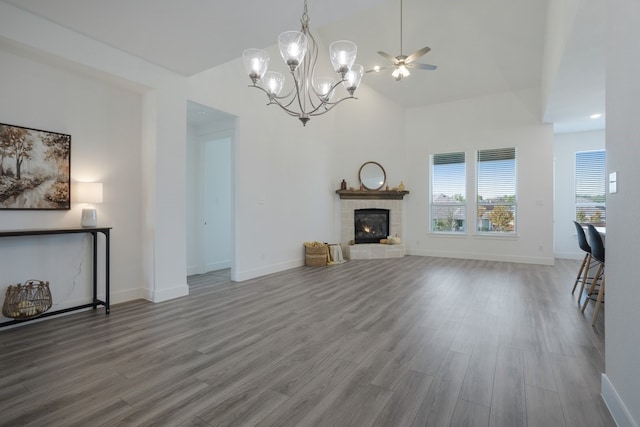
pixel 480 47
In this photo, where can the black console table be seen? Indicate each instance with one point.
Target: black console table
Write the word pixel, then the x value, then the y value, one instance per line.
pixel 75 230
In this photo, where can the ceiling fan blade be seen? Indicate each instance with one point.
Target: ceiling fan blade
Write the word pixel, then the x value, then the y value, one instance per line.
pixel 376 70
pixel 422 66
pixel 417 54
pixel 386 55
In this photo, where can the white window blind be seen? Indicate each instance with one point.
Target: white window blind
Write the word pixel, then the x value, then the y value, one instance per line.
pixel 448 193
pixel 590 187
pixel 496 190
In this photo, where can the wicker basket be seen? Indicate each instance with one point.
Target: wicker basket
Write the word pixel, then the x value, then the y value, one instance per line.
pixel 27 301
pixel 316 255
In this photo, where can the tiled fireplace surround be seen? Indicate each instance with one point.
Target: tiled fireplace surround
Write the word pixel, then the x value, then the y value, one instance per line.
pixel 370 250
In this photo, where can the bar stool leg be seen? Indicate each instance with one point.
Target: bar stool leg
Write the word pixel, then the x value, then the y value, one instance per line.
pixel 584 262
pixel 598 302
pixel 594 282
pixel 584 277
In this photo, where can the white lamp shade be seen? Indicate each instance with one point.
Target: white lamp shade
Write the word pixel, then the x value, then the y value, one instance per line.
pixel 88 192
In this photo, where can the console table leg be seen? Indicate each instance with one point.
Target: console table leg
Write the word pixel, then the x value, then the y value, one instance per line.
pixel 107 272
pixel 95 270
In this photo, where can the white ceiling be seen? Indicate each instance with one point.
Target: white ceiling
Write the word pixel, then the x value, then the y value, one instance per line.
pixel 480 47
pixel 579 89
pixel 477 50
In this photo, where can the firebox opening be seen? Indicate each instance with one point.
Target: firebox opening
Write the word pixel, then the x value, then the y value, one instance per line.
pixel 371 225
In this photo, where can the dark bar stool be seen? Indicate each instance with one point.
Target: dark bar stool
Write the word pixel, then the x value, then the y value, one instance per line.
pixel 586 261
pixel 596 292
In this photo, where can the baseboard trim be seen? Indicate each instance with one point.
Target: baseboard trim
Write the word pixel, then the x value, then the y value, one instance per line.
pixel 568 255
pixel 168 294
pixel 124 296
pixel 217 266
pixel 241 276
pixel 614 403
pixel 194 269
pixel 483 257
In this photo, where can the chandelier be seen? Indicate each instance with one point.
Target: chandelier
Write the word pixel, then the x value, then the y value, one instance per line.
pixel 310 96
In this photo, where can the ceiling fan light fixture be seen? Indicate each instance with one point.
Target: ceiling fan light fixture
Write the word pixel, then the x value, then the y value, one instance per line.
pixel 402 61
pixel 400 72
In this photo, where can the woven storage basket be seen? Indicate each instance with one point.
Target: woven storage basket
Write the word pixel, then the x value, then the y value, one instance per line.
pixel 316 256
pixel 28 300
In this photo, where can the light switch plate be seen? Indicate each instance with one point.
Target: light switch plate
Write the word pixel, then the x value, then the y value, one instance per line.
pixel 613 182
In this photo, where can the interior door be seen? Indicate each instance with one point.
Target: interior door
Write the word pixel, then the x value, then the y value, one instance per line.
pixel 216 203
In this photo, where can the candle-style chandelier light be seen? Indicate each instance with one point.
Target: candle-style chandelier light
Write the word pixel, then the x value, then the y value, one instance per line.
pixel 310 96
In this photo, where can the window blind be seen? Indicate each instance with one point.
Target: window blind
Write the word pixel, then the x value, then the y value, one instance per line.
pixel 590 187
pixel 448 192
pixel 496 190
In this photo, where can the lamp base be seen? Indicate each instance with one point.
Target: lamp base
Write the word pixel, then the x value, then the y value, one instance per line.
pixel 89 218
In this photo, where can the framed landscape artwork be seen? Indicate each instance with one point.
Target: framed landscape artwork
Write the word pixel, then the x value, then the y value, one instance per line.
pixel 35 169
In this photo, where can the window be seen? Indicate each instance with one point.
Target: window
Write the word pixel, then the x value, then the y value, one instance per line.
pixel 590 187
pixel 448 189
pixel 496 190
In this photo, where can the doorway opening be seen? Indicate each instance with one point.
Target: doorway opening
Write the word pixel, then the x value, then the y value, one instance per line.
pixel 210 220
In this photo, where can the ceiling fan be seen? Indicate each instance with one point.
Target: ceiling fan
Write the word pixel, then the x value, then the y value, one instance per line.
pixel 402 63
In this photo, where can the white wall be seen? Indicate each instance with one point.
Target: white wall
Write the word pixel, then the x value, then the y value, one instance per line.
pixel 161 137
pixel 621 384
pixel 565 146
pixel 104 121
pixel 282 174
pixel 192 193
pixel 561 15
pixel 164 201
pixel 370 128
pixel 497 121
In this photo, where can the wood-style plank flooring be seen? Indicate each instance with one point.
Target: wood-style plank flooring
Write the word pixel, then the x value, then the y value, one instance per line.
pixel 415 341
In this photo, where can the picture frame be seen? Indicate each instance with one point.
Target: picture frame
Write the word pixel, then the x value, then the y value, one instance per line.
pixel 35 169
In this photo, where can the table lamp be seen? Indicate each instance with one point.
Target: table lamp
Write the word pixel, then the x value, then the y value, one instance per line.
pixel 89 192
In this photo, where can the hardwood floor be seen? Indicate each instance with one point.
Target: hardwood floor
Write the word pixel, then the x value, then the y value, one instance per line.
pixel 402 342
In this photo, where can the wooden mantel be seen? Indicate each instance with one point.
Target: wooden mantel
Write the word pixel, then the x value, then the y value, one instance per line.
pixel 372 194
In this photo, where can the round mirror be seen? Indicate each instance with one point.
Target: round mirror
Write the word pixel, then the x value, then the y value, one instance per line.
pixel 372 176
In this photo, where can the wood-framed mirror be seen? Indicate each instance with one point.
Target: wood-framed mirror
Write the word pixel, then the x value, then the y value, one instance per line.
pixel 372 175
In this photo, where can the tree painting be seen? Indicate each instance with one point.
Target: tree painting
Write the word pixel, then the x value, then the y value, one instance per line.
pixel 34 168
pixel 17 143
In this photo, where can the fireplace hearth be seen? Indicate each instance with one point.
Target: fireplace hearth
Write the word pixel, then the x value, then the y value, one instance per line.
pixel 370 225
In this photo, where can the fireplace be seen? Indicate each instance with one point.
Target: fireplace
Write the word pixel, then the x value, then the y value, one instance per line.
pixel 370 225
pixel 355 200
